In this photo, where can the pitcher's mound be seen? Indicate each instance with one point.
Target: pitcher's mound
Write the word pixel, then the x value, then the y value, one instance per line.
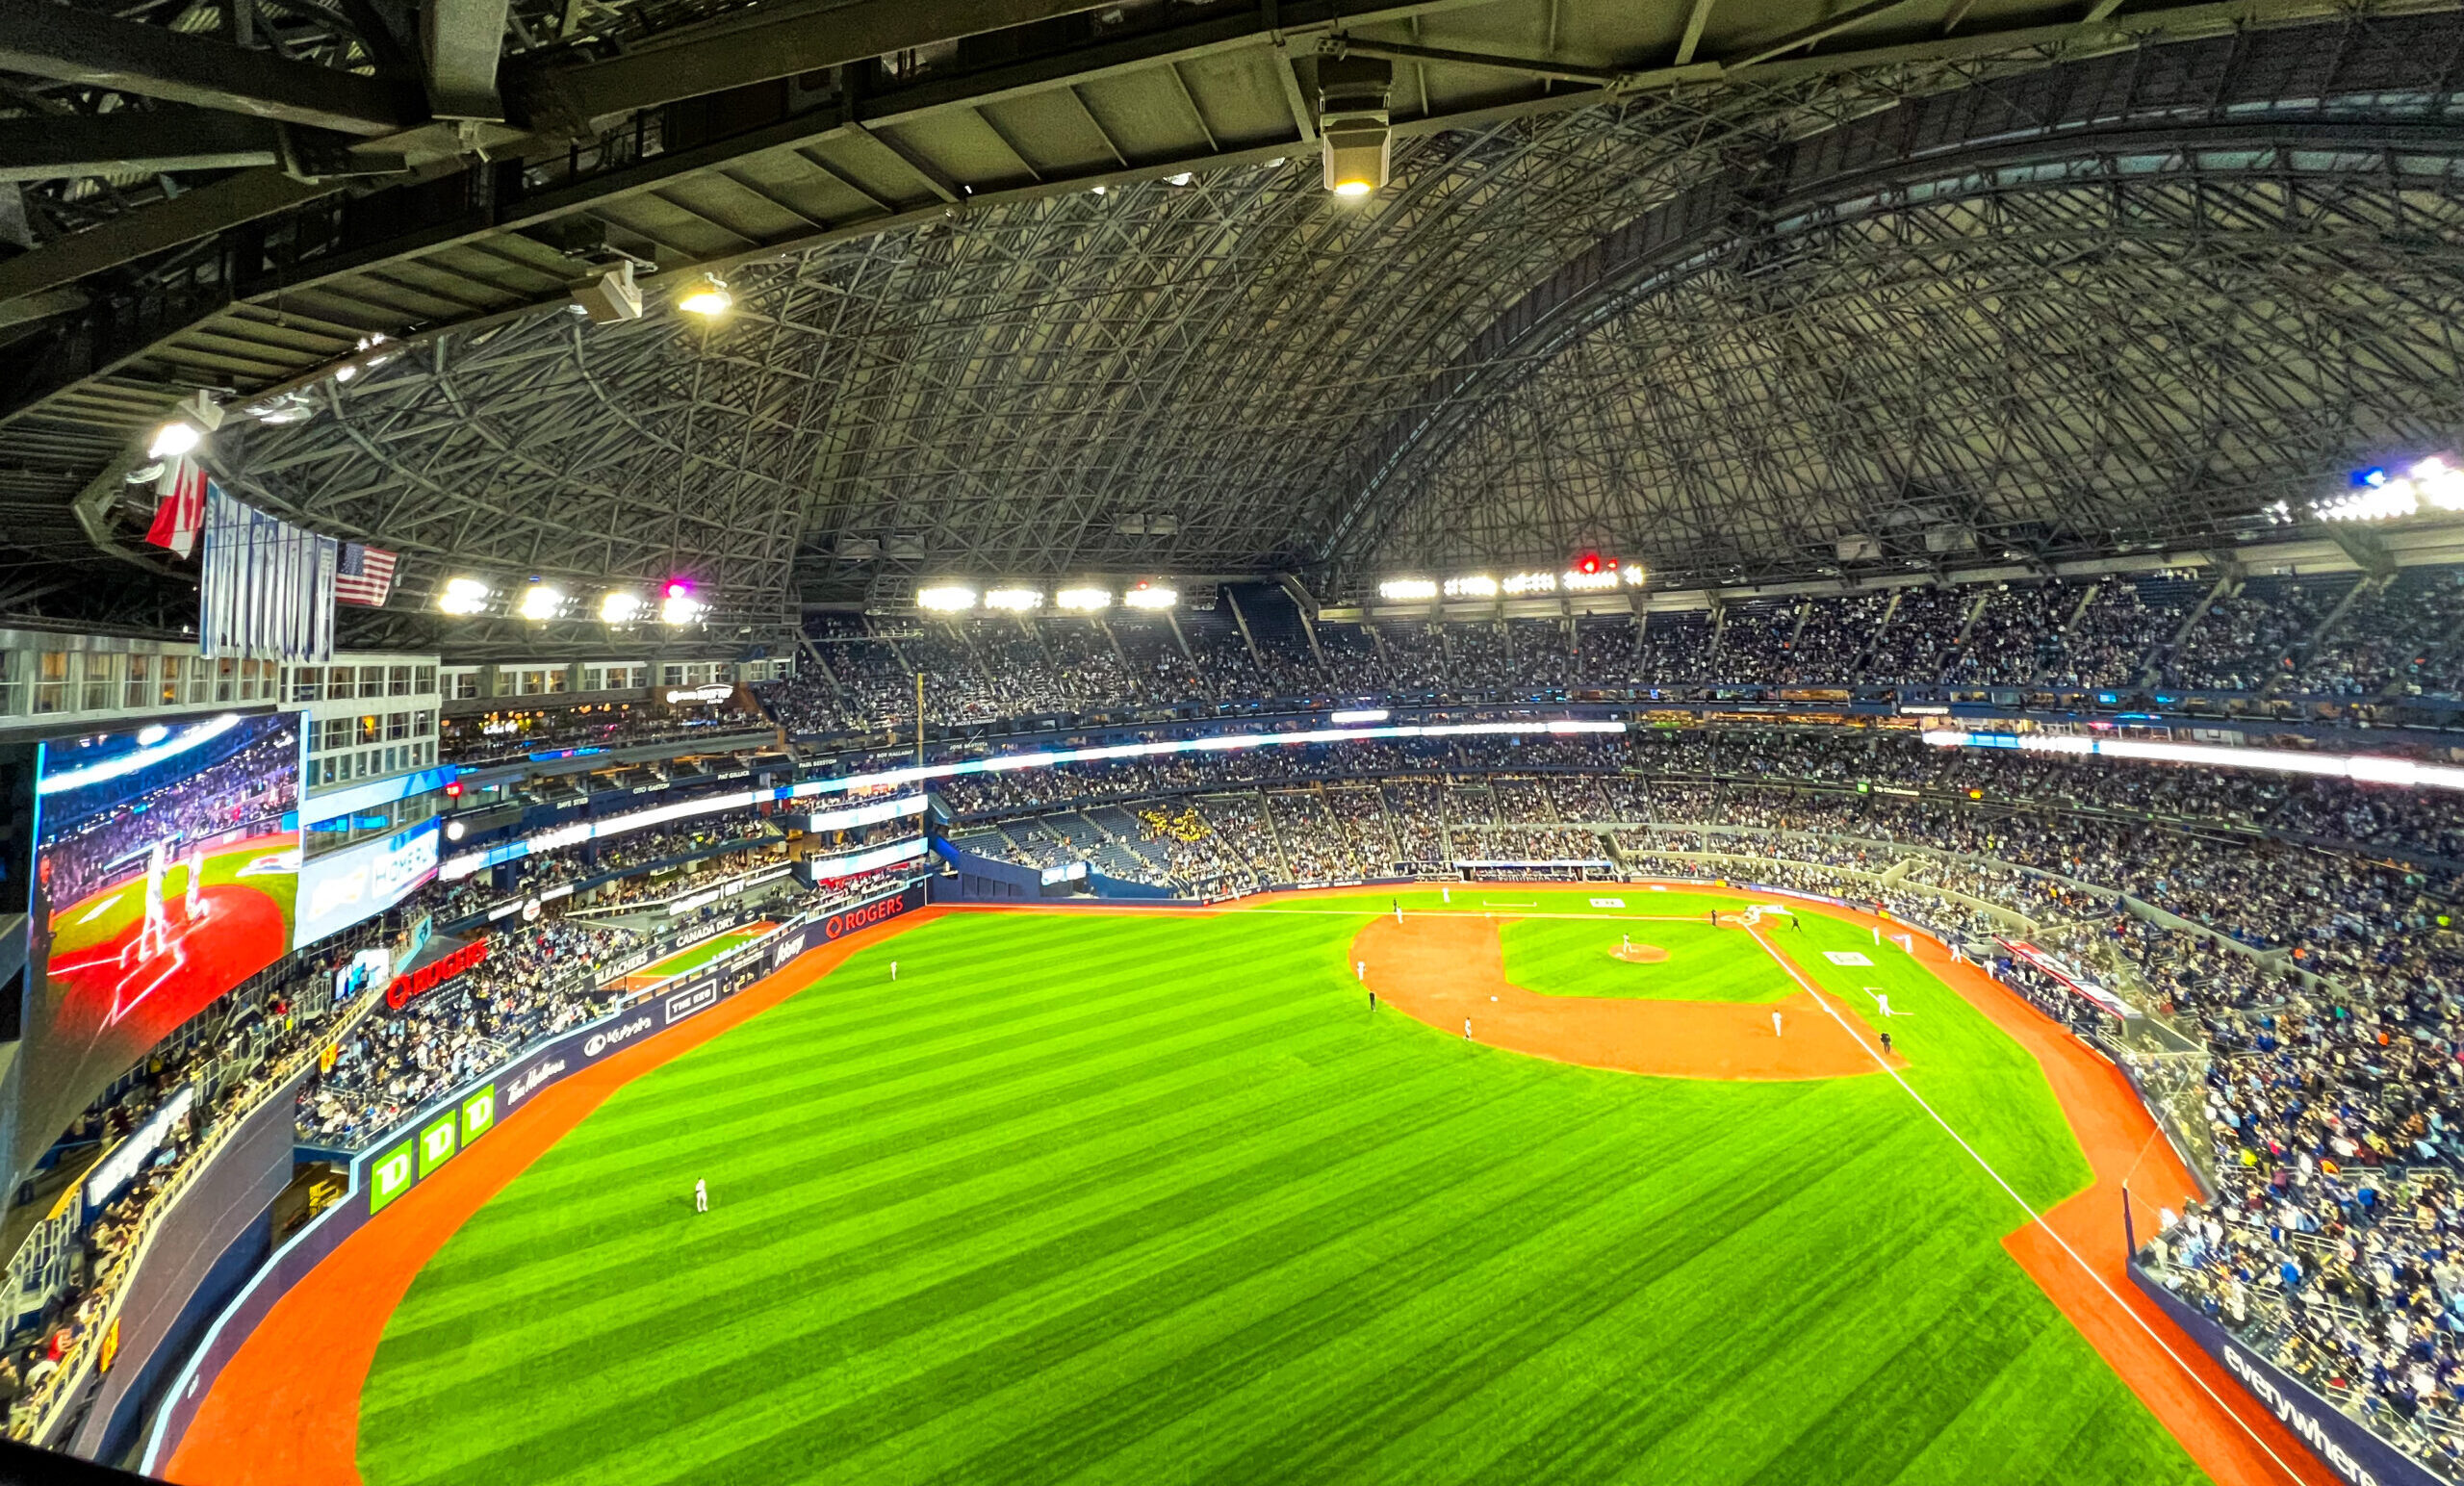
pixel 1640 954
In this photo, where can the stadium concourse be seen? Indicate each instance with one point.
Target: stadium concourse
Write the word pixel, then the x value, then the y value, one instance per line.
pixel 1462 740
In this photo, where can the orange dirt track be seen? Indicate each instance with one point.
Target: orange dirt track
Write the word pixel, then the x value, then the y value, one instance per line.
pixel 1450 968
pixel 286 1409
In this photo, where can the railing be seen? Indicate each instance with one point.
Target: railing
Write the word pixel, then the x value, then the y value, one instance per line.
pixel 2432 1437
pixel 40 1413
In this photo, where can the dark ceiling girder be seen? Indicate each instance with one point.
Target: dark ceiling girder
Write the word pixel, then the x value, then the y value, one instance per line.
pixel 134 142
pixel 72 46
pixel 196 214
pixel 1354 46
pixel 459 44
pixel 777 46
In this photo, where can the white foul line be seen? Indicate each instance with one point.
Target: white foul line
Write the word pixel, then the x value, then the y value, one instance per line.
pixel 2034 1216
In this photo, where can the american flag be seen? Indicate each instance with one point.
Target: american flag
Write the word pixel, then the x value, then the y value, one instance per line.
pixel 364 577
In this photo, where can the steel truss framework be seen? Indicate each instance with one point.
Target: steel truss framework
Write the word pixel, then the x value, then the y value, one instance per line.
pixel 2124 352
pixel 2089 342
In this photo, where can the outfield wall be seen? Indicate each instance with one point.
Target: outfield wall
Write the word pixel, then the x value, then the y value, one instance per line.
pixel 423 1143
pixel 2345 1446
pixel 207 1246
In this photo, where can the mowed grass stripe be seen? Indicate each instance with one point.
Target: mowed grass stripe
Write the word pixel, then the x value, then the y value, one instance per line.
pixel 1430 1299
pixel 1330 1277
pixel 1045 1117
pixel 1146 1199
pixel 1138 1236
pixel 833 1078
pixel 914 1218
pixel 1410 1415
pixel 1048 1151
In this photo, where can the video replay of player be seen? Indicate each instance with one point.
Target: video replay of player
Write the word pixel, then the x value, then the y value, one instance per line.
pixel 166 870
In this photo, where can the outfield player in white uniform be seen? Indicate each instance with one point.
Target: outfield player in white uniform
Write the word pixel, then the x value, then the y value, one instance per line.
pixel 195 902
pixel 700 1196
pixel 155 936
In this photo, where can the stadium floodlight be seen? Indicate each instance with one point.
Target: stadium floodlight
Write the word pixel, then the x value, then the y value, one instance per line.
pixel 678 605
pixel 945 599
pixel 463 596
pixel 542 600
pixel 1579 581
pixel 1017 600
pixel 1146 596
pixel 2438 483
pixel 455 831
pixel 1085 601
pixel 620 606
pixel 174 439
pixel 1355 143
pixel 1632 574
pixel 1478 586
pixel 2379 496
pixel 1530 583
pixel 1406 590
pixel 708 298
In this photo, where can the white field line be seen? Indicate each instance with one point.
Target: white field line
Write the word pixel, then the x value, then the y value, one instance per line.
pixel 2034 1216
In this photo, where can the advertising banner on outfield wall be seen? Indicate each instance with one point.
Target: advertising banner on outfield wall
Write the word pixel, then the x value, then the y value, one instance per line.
pixel 2352 1451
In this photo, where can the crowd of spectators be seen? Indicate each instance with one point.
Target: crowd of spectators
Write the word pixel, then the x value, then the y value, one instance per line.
pixel 535 980
pixel 497 736
pixel 2269 633
pixel 246 793
pixel 546 871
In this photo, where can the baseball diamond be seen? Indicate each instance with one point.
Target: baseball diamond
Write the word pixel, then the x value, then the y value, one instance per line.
pixel 1132 1195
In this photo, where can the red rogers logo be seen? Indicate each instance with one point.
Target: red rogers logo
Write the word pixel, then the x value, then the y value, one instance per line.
pixel 862 916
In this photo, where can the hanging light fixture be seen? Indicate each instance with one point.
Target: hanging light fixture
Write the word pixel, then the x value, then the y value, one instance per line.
pixel 709 299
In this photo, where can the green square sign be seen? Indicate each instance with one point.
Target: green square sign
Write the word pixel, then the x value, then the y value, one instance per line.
pixel 478 1113
pixel 391 1175
pixel 437 1143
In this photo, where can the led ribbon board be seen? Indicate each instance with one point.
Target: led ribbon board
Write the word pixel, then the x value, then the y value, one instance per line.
pixel 467 862
pixel 2361 768
pixel 871 813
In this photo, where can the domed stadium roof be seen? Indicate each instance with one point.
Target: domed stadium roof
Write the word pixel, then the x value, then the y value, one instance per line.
pixel 1713 287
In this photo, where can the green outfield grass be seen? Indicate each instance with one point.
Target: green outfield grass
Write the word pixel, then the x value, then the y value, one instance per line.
pixel 1578 956
pixel 103 916
pixel 701 954
pixel 1158 1199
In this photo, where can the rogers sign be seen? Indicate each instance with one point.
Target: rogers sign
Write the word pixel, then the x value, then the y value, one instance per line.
pixel 864 915
pixel 435 973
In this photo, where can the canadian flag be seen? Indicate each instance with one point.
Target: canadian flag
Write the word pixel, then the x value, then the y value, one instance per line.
pixel 181 513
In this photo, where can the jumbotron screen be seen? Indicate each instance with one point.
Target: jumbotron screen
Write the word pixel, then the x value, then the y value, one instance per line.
pixel 167 865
